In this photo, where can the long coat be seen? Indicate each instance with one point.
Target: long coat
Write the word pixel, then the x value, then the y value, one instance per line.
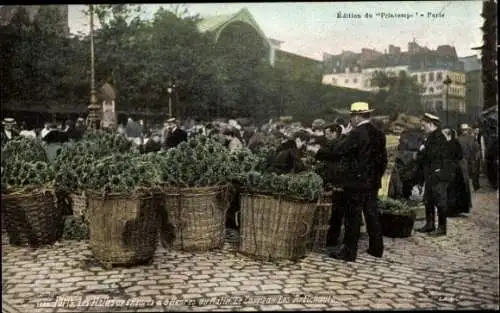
pixel 472 154
pixel 175 138
pixel 366 157
pixel 436 160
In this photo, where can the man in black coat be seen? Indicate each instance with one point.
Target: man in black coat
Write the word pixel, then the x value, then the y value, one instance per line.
pixel 435 160
pixel 472 154
pixel 364 151
pixel 176 134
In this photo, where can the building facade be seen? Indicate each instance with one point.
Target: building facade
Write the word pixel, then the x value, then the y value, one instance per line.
pixel 429 68
pixel 474 85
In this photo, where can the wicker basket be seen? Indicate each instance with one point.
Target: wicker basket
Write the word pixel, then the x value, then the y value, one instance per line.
pixel 79 203
pixel 321 223
pixel 123 227
pixel 195 217
pixel 32 218
pixel 273 228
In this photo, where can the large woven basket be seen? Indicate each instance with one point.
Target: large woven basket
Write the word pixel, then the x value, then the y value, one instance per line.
pixel 321 223
pixel 32 217
pixel 79 203
pixel 195 217
pixel 123 227
pixel 274 228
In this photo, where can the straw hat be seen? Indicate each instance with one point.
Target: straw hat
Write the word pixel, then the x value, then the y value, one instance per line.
pixel 171 120
pixel 8 121
pixel 465 126
pixel 360 107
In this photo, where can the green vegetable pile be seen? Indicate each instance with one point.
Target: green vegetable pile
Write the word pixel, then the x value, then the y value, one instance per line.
pixel 20 174
pixel 304 186
pixel 393 206
pixel 76 159
pixel 23 149
pixel 199 162
pixel 121 173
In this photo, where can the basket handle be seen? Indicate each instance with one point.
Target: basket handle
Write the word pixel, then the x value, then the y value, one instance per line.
pixel 308 228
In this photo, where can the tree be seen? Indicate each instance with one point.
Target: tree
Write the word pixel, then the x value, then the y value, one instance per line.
pixel 402 93
pixel 489 53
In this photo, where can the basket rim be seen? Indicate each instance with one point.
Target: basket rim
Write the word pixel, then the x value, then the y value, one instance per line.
pixel 136 194
pixel 178 191
pixel 26 193
pixel 275 197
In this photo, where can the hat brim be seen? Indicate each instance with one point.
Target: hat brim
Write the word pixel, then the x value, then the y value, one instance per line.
pixel 361 111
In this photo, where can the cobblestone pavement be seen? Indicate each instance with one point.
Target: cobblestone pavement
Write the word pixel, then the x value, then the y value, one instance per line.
pixel 459 271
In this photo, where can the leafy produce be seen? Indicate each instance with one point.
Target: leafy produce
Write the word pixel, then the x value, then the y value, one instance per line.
pixel 119 172
pixel 304 186
pixel 75 160
pixel 23 149
pixel 199 162
pixel 75 228
pixel 19 174
pixel 393 206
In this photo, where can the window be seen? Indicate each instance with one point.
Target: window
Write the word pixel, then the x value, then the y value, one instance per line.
pixel 334 81
pixel 414 77
pixel 335 70
pixel 431 90
pixel 422 78
pixel 346 81
pixel 439 76
pixel 355 80
pixel 461 107
pixel 431 77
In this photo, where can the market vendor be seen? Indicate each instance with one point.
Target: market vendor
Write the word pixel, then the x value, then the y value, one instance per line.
pixel 287 158
pixel 176 135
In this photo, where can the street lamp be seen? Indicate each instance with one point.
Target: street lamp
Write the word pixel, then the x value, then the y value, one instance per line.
pixel 447 83
pixel 170 89
pixel 94 116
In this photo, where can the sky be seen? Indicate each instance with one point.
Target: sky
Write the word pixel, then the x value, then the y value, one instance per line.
pixel 313 28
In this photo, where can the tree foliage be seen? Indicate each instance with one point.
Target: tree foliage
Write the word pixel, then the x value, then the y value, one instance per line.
pixel 229 78
pixel 397 93
pixel 489 53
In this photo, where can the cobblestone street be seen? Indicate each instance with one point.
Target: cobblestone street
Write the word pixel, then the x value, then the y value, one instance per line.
pixel 459 271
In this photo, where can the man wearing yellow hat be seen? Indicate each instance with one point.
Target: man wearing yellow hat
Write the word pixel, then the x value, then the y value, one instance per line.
pixel 363 148
pixel 432 158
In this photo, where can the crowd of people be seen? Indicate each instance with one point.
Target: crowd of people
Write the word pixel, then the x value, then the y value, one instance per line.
pixel 353 152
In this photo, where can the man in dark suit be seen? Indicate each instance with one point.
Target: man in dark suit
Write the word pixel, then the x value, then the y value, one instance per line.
pixel 175 136
pixel 432 158
pixel 472 154
pixel 365 160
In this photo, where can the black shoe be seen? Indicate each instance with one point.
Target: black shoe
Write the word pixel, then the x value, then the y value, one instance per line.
pixel 375 253
pixel 342 254
pixel 439 232
pixel 426 229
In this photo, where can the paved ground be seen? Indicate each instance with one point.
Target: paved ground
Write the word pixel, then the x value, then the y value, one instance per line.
pixel 459 271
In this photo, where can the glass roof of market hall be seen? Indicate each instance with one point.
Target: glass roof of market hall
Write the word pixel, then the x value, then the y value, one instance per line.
pixel 219 22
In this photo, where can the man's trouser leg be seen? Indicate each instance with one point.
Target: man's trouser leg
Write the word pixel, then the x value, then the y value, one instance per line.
pixel 336 218
pixel 373 227
pixel 440 195
pixel 430 210
pixel 353 210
